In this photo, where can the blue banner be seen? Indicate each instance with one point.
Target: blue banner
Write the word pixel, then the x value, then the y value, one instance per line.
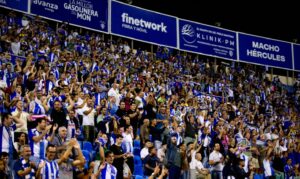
pixel 208 40
pixel 265 51
pixel 297 57
pixel 91 14
pixel 144 25
pixel 14 58
pixel 21 5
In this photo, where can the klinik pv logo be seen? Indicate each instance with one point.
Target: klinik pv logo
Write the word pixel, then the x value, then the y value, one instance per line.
pixel 188 33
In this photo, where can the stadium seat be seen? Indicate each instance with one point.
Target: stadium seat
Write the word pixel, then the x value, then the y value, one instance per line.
pixel 139 177
pixel 87 157
pixel 136 151
pixel 80 137
pixel 138 170
pixel 89 147
pixel 137 160
pixel 137 143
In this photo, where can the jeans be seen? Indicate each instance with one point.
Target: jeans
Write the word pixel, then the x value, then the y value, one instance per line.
pixel 279 175
pixel 89 133
pixel 174 172
pixel 216 175
pixel 185 174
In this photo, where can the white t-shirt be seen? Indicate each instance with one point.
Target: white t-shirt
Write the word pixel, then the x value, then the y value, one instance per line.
pixel 141 104
pixel 78 103
pixel 15 47
pixel 128 142
pixel 126 49
pixel 23 117
pixel 115 93
pixel 195 164
pixel 88 120
pixel 161 154
pixel 201 119
pixel 205 141
pixel 144 152
pixel 216 157
pixel 246 159
pixel 267 167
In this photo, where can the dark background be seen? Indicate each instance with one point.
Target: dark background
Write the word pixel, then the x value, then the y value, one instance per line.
pixel 279 20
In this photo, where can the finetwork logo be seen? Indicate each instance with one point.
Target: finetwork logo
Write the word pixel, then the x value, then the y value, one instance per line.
pixel 188 33
pixel 143 23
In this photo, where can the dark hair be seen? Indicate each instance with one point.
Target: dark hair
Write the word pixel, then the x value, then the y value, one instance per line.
pixel 39 120
pixel 50 145
pixel 150 148
pixel 4 116
pixel 119 136
pixel 241 160
pixel 122 101
pixel 107 153
pixel 189 143
pixel 181 144
pixel 126 127
pixel 147 140
pixel 3 154
pixel 18 135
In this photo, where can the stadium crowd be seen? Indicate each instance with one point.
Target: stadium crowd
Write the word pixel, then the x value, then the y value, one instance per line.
pixel 74 105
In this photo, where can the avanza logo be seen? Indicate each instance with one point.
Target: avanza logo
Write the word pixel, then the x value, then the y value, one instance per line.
pixel 143 23
pixel 46 4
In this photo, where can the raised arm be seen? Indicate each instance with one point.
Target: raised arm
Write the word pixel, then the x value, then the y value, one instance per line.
pixel 18 121
pixel 39 169
pixel 71 104
pixel 80 160
pixel 37 139
pixel 67 153
pixel 50 139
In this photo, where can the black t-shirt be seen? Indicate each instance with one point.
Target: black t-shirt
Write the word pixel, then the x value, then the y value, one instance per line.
pixel 150 113
pixel 151 161
pixel 240 173
pixel 232 157
pixel 121 112
pixel 118 162
pixel 134 120
pixel 122 122
pixel 3 175
pixel 278 164
pixel 30 85
pixel 59 117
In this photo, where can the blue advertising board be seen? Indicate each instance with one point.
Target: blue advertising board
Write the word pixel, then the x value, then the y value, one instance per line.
pixel 86 13
pixel 144 25
pixel 297 56
pixel 265 51
pixel 21 5
pixel 208 40
pixel 14 58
